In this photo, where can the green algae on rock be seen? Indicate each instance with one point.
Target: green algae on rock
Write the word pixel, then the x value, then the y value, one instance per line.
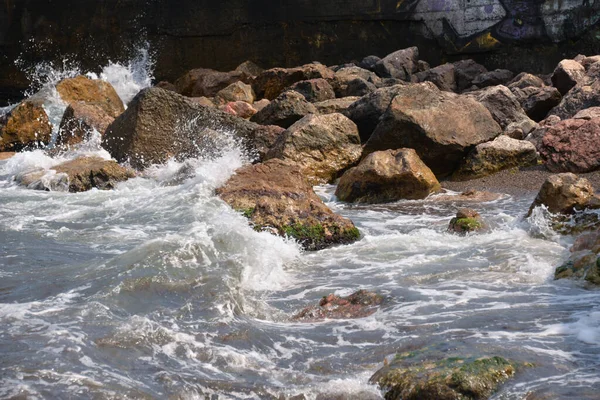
pixel 466 221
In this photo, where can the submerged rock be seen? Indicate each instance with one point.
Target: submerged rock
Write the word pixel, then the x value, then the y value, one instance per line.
pixel 441 126
pixel 275 196
pixel 321 146
pixel 418 376
pixel 565 193
pixel 358 305
pixel 27 125
pixel 385 176
pixel 584 262
pixel 466 221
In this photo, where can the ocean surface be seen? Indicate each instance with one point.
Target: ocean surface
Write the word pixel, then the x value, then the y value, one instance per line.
pixel 159 290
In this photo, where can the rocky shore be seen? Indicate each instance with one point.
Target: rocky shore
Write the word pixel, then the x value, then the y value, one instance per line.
pixel 383 129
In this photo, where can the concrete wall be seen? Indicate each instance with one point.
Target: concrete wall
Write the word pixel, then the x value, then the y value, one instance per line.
pixel 521 34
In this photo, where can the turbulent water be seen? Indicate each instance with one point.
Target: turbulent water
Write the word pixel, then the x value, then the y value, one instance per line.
pixel 158 289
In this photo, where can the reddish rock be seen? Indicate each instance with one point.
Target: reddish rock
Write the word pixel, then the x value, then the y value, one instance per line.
pixel 358 305
pixel 79 121
pixel 239 108
pixel 572 145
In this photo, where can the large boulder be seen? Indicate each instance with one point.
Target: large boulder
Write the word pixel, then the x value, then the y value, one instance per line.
pixel 322 146
pixel 314 90
pixel 572 145
pixel 385 176
pixel 466 72
pixel 497 155
pixel 441 126
pixel 367 110
pixel 335 105
pixel 580 97
pixel 207 82
pixel 564 193
pixel 505 108
pixel 286 109
pixel 524 80
pixel 566 75
pixel 237 91
pixel 443 76
pixel 93 92
pixel 78 175
pixel 27 125
pixel 537 101
pixel 400 64
pixel 275 196
pixel 354 81
pixel 249 68
pixel 79 120
pixel 160 124
pixel 272 82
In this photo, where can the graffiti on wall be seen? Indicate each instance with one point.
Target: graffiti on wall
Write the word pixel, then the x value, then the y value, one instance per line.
pixel 481 24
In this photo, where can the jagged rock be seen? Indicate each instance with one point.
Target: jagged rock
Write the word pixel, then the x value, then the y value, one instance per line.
pixel 77 175
pixel 314 90
pixel 92 92
pixel 443 76
pixel 321 146
pixel 572 145
pixel 505 108
pixel 466 221
pixel 265 137
pixel 237 91
pixel 203 101
pixel 493 78
pixel 400 64
pixel 286 109
pixel 79 121
pixel 497 155
pixel 207 82
pixel 27 125
pixel 524 80
pixel 358 305
pixel 335 105
pixel 259 105
pixel 160 124
pixel 587 62
pixel 564 193
pixel 385 176
pixel 354 81
pixel 239 108
pixel 249 68
pixel 272 82
pixel 441 126
pixel 466 71
pixel 369 62
pixel 166 86
pixel 275 196
pixel 566 75
pixel 367 110
pixel 537 101
pixel 536 136
pixel 580 97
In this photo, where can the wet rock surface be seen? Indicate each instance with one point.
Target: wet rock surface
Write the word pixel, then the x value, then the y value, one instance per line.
pixel 564 193
pixel 584 262
pixel 26 126
pixel 467 220
pixel 357 305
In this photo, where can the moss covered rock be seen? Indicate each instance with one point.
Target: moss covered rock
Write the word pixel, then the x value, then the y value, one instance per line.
pixel 466 221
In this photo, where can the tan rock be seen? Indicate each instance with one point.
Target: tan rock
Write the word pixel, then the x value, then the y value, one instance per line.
pixel 25 126
pixel 237 91
pixel 91 91
pixel 563 193
pixel 93 172
pixel 79 121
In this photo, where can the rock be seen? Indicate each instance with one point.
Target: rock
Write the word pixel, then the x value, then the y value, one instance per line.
pixel 423 66
pixel 410 376
pixel 77 175
pixel 160 124
pixel 466 221
pixel 441 126
pixel 79 121
pixel 274 195
pixel 203 101
pixel 207 82
pixel 505 108
pixel 588 113
pixel 286 109
pixel 493 78
pixel 265 137
pixel 400 64
pixel 237 91
pixel 369 62
pixel 249 68
pixel 166 86
pixel 584 262
pixel 497 155
pixel 335 105
pixel 358 305
pixel 537 101
pixel 314 90
pixel 92 92
pixel 366 111
pixel 385 176
pixel 259 105
pixel 572 145
pixel 587 62
pixel 354 81
pixel 5 155
pixel 566 75
pixel 580 97
pixel 536 136
pixel 25 126
pixel 239 108
pixel 564 193
pixel 322 146
pixel 466 71
pixel 272 82
pixel 442 76
pixel 524 80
